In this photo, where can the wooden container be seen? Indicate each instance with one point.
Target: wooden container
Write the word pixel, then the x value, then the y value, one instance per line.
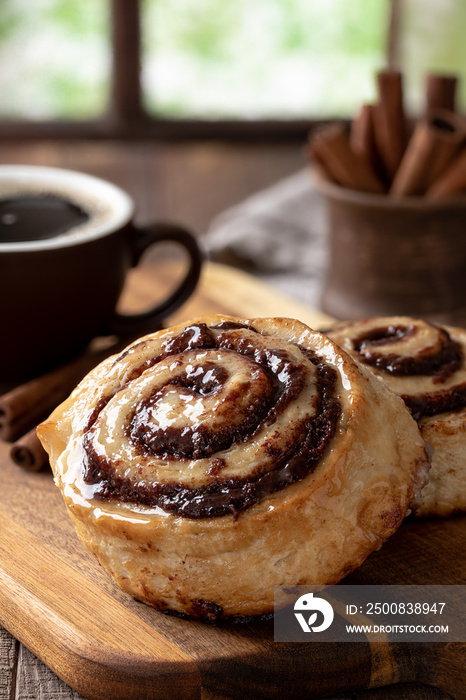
pixel 390 256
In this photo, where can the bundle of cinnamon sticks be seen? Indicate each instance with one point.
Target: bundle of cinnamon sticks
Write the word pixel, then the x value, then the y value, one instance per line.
pixel 384 152
pixel 23 407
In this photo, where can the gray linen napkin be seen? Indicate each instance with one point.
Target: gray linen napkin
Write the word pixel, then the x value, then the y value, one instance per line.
pixel 278 235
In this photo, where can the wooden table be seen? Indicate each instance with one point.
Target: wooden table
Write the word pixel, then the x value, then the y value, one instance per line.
pixel 24 676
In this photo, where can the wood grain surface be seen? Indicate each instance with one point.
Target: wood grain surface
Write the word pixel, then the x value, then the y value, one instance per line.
pixel 62 606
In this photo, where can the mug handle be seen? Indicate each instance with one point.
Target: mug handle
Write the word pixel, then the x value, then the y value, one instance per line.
pixel 140 239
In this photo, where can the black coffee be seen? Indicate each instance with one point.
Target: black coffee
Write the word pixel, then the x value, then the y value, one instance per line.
pixel 35 217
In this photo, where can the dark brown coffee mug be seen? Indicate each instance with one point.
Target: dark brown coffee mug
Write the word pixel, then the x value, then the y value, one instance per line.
pixel 59 292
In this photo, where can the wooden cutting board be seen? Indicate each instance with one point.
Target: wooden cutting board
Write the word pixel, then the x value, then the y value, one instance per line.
pixel 59 603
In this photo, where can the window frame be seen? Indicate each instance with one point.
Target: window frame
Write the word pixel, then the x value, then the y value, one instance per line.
pixel 125 117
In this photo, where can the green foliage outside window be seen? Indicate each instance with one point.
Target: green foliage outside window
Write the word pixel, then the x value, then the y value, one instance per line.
pixel 270 58
pixel 212 59
pixel 54 58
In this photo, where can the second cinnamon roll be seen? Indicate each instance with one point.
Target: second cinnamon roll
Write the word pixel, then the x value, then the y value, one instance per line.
pixel 425 364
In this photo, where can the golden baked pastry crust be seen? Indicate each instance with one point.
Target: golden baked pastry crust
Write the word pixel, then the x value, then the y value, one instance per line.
pixel 426 365
pixel 211 532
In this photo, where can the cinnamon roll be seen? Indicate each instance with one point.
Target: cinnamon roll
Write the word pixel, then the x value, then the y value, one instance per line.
pixel 425 364
pixel 212 461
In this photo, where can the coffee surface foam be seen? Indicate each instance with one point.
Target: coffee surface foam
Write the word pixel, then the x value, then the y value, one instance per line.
pixel 101 211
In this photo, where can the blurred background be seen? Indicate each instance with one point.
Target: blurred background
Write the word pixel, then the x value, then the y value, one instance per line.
pixel 210 60
pixel 180 102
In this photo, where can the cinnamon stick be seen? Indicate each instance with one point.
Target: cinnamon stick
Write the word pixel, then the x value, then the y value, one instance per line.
pixel 28 453
pixel 362 138
pixel 331 150
pixel 453 179
pixel 440 91
pixel 390 122
pixel 432 147
pixel 26 405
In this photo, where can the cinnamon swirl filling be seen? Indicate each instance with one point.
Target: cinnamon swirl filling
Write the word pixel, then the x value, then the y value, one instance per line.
pixel 210 421
pixel 407 352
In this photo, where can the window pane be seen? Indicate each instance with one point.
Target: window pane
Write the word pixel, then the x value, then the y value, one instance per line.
pixel 54 58
pixel 261 59
pixel 432 40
